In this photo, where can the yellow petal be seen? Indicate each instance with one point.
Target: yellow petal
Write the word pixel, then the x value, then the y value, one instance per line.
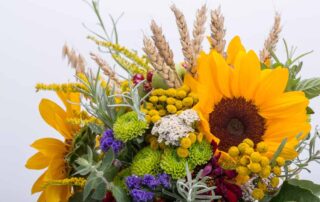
pixel 57 168
pixel 55 116
pixel 42 197
pixel 71 101
pixel 222 74
pixel 235 75
pixel 49 146
pixel 37 161
pixel 56 194
pixel 234 47
pixel 272 85
pixel 249 75
pixel 38 185
pixel 287 153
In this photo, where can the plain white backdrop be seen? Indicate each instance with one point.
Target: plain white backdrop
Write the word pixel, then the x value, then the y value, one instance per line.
pixel 32 33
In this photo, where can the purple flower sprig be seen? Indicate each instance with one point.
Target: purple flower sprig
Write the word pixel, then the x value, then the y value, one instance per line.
pixel 108 141
pixel 141 188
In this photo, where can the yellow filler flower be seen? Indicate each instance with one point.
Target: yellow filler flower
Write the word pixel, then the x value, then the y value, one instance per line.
pixel 239 100
pixel 51 152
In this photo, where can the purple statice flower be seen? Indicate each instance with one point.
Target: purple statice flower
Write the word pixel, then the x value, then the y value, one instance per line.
pixel 107 140
pixel 164 179
pixel 133 182
pixel 141 195
pixel 150 181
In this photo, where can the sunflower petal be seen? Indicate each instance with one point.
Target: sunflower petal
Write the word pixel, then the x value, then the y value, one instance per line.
pixel 37 161
pixel 38 185
pixel 272 85
pixel 49 146
pixel 55 116
pixel 71 101
pixel 235 46
pixel 236 74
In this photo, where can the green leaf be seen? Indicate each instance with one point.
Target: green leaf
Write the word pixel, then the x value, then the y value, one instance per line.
pixel 119 194
pixel 278 151
pixel 100 191
pixel 107 160
pixel 311 87
pixel 310 110
pixel 298 191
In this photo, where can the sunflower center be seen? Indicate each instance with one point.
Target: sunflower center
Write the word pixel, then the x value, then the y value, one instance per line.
pixel 233 120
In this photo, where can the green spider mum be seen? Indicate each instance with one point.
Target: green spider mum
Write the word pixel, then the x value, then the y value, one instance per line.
pixel 128 127
pixel 200 153
pixel 172 164
pixel 146 161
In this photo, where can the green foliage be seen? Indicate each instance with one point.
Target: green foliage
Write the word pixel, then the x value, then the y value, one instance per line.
pixel 120 194
pixel 311 87
pixel 172 164
pixel 128 127
pixel 146 162
pixel 97 183
pixel 200 153
pixel 196 189
pixel 119 179
pixel 85 138
pixel 298 191
pixel 99 101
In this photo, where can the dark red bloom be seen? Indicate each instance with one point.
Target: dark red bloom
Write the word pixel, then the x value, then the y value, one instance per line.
pixel 149 76
pixel 109 197
pixel 137 78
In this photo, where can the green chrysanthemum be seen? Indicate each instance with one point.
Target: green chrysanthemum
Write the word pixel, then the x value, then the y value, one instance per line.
pixel 119 179
pixel 146 161
pixel 200 153
pixel 172 164
pixel 128 127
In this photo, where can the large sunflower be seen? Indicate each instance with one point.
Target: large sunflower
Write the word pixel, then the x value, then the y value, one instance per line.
pixel 238 100
pixel 51 152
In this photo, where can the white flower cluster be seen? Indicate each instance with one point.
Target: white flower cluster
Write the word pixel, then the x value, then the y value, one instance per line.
pixel 170 129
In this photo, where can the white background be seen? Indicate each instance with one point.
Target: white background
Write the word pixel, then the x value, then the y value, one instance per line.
pixel 32 33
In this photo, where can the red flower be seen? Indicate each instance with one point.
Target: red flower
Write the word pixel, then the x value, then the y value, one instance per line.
pixel 109 197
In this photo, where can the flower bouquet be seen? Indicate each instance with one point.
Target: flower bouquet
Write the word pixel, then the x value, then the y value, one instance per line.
pixel 222 125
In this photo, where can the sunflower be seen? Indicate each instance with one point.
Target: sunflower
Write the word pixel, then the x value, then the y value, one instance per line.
pixel 51 152
pixel 238 100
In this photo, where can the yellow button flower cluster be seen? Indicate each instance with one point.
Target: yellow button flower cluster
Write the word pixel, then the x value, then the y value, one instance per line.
pixel 186 142
pixel 251 160
pixel 171 101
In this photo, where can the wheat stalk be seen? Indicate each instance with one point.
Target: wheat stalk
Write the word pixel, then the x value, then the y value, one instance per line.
pixel 271 42
pixel 199 29
pixel 75 60
pixel 106 69
pixel 187 48
pixel 218 31
pixel 162 45
pixel 170 76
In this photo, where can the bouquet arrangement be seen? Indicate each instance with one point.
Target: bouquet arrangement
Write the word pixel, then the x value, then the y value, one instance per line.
pixel 221 125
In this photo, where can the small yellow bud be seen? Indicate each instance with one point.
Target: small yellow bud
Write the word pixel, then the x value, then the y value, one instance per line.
pixel 153 112
pixel 276 170
pixel 249 150
pixel 179 112
pixel 274 181
pixel 242 179
pixel 171 109
pixel 264 161
pixel 194 97
pixel 171 92
pixel 144 111
pixel 265 172
pixel 187 102
pixel 171 101
pixel 163 98
pixel 159 107
pixel 155 92
pixel 255 157
pixel 178 104
pixel 254 167
pixel 242 147
pixel 280 161
pixel 192 137
pixel 185 142
pixel 200 137
pixel 148 118
pixel 162 112
pixel 185 88
pixel 153 99
pixel 241 170
pixel 154 145
pixel 233 151
pixel 249 142
pixel 182 152
pixel 155 118
pixel 181 94
pixel 262 185
pixel 149 105
pixel 262 147
pixel 245 160
pixel 257 194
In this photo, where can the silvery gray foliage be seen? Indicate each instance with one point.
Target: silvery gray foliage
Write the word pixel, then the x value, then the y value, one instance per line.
pixel 196 189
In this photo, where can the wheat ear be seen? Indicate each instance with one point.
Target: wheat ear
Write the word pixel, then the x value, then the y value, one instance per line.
pixel 75 60
pixel 218 31
pixel 159 64
pixel 271 42
pixel 199 29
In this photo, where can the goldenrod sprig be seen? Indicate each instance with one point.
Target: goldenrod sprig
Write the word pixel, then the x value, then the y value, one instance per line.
pixel 64 87
pixel 73 181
